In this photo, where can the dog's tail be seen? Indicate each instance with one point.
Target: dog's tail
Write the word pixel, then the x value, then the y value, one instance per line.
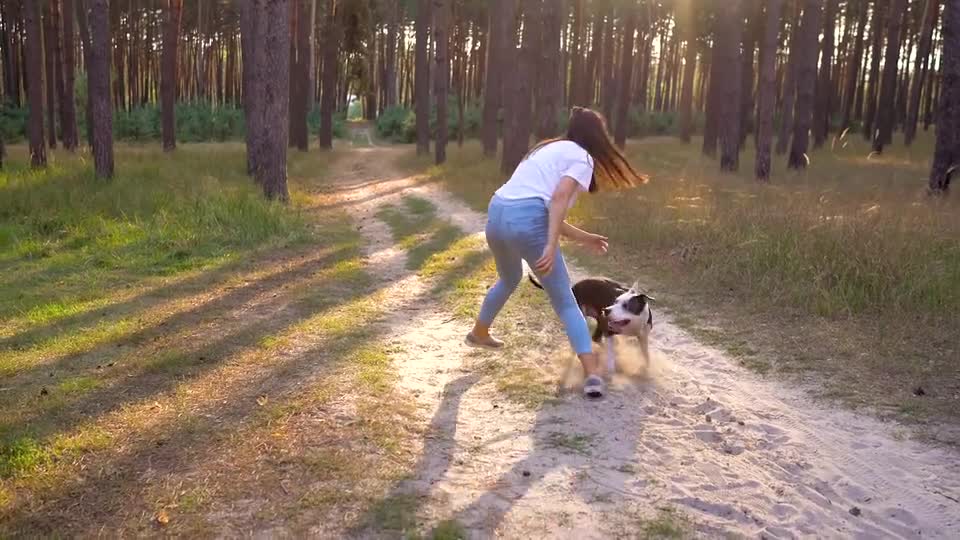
pixel 534 281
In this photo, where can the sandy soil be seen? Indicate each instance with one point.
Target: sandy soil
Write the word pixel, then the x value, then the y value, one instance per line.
pixel 729 451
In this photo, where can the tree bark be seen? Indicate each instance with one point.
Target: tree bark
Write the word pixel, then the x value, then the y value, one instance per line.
pixel 806 83
pixel 622 119
pixel 753 10
pixel 248 30
pixel 888 88
pixel 594 65
pixel 946 158
pixel 767 89
pixel 68 109
pixel 549 81
pixel 300 76
pixel 331 67
pixel 609 82
pixel 34 65
pixel 81 12
pixel 577 86
pixel 518 112
pixel 168 79
pixel 870 100
pixel 688 21
pixel 51 57
pixel 919 71
pixel 853 73
pixel 269 85
pixel 98 15
pixel 729 36
pixel 422 75
pixel 790 83
pixel 441 32
pixel 823 106
pixel 396 13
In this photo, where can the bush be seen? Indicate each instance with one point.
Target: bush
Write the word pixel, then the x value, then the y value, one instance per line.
pixel 13 122
pixel 399 124
pixel 196 122
pixel 339 125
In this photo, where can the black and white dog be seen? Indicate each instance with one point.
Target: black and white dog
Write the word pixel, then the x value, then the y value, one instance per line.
pixel 617 309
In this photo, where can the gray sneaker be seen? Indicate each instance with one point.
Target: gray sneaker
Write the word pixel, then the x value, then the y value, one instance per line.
pixel 594 387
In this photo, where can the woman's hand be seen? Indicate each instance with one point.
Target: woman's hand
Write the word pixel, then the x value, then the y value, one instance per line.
pixel 595 242
pixel 544 264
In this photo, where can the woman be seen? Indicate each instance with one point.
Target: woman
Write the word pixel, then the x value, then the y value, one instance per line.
pixel 526 220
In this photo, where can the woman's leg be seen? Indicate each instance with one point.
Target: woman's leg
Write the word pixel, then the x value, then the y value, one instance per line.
pixel 557 285
pixel 510 272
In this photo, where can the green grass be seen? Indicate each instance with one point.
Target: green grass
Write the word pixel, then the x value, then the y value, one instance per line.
pixel 69 243
pixel 577 444
pixel 667 525
pixel 846 270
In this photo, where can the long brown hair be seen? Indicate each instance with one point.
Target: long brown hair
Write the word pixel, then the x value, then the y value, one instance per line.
pixel 611 170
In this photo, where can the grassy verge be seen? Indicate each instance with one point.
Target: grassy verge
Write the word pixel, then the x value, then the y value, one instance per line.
pixel 845 272
pixel 238 388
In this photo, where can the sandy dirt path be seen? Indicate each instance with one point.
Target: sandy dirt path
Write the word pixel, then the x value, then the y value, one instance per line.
pixel 728 451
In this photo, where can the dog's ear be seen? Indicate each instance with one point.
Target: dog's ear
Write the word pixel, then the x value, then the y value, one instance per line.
pixel 636 286
pixel 648 298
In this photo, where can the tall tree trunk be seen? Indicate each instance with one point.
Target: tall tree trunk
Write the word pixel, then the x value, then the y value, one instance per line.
pixel 422 75
pixel 609 81
pixel 396 13
pixel 576 51
pixel 788 103
pixel 806 82
pixel 767 88
pixel 729 36
pixel 248 30
pixel 312 91
pixel 300 76
pixel 34 65
pixel 168 80
pixel 946 157
pixel 594 66
pixel 98 15
pixel 823 106
pixel 549 81
pixel 870 100
pixel 626 75
pixel 81 12
pixel 56 62
pixel 687 20
pixel 888 88
pixel 919 71
pixel 711 124
pixel 661 69
pixel 499 58
pixel 50 76
pixel 441 32
pixel 68 109
pixel 331 67
pixel 753 10
pixel 853 72
pixel 269 85
pixel 518 113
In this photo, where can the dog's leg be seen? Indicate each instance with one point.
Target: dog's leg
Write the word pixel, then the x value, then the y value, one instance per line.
pixel 645 347
pixel 611 360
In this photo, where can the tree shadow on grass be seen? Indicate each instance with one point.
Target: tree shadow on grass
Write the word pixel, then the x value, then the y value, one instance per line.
pixel 174 446
pixel 139 374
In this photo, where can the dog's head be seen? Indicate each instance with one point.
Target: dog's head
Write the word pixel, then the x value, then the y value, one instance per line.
pixel 630 314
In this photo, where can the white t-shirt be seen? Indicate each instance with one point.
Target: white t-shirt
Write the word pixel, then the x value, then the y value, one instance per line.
pixel 539 174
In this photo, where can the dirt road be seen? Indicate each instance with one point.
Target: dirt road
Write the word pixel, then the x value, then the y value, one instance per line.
pixel 700 444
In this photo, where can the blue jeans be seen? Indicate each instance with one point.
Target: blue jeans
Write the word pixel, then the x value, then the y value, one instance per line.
pixel 517 230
